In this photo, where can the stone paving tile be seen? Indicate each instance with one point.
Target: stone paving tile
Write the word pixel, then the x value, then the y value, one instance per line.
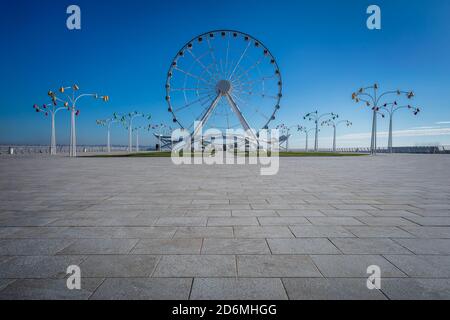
pixel 426 246
pixel 204 232
pixel 238 289
pixel 345 213
pixel 99 246
pixel 253 213
pixel 379 232
pixel 233 221
pixel 283 221
pixel 386 221
pixel 276 266
pixel 302 246
pixel 263 232
pixel 30 247
pixel 8 232
pixel 48 289
pixel 432 221
pixel 235 246
pixel 38 233
pixel 353 266
pixel 118 266
pixel 104 222
pixel 208 213
pixel 391 213
pixel 4 283
pixel 25 222
pixel 168 246
pixel 422 265
pixel 429 232
pixel 369 246
pixel 182 221
pixel 416 289
pixel 300 213
pixel 143 289
pixel 38 266
pixel 334 221
pixel 196 266
pixel 321 232
pixel 330 289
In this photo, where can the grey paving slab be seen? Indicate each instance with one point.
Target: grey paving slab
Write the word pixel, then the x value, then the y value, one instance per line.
pixel 422 265
pixel 283 221
pixel 233 221
pixel 432 221
pixel 334 221
pixel 32 247
pixel 276 266
pixel 263 232
pixel 168 246
pixel 196 266
pixel 320 232
pixel 204 232
pixel 99 246
pixel 235 246
pixel 369 246
pixel 181 221
pixel 344 213
pixel 429 232
pixel 48 289
pixel 354 266
pixel 143 289
pixel 426 246
pixel 300 213
pixel 330 289
pixel 238 289
pixel 379 232
pixel 253 213
pixel 302 246
pixel 38 266
pixel 118 266
pixel 416 289
pixel 386 221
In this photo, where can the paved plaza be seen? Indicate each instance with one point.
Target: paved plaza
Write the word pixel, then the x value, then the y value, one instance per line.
pixel 143 228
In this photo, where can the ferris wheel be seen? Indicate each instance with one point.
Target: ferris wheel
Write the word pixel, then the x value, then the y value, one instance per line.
pixel 223 79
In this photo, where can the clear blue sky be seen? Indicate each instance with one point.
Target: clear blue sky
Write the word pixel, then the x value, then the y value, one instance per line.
pixel 324 50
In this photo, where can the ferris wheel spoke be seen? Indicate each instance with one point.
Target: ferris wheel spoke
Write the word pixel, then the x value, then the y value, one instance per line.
pixel 207 114
pixel 192 75
pixel 213 56
pixel 198 60
pixel 192 89
pixel 239 61
pixel 226 58
pixel 257 63
pixel 193 102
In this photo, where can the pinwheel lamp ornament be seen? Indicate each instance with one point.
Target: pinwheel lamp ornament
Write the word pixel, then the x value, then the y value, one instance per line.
pixel 371 97
pixel 69 98
pixel 332 123
pixel 314 116
pixel 306 131
pixel 127 122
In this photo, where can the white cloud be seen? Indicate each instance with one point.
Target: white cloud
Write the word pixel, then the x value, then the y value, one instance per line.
pixel 443 122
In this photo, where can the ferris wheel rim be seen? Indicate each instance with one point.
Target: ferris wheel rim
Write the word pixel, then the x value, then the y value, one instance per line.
pixel 233 32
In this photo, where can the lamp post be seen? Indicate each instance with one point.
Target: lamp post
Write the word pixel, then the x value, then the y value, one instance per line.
pixel 306 131
pixel 71 105
pixel 335 124
pixel 52 109
pixel 371 97
pixel 127 121
pixel 314 116
pixel 107 123
pixel 391 108
pixel 288 132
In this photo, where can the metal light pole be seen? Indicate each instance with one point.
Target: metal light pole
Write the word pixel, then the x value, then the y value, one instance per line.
pixel 107 123
pixel 372 99
pixel 391 108
pixel 51 109
pixel 314 116
pixel 127 121
pixel 70 104
pixel 335 124
pixel 306 132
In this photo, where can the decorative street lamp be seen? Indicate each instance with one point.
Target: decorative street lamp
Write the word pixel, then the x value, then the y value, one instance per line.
pixel 335 124
pixel 391 108
pixel 306 132
pixel 127 122
pixel 107 123
pixel 71 105
pixel 51 109
pixel 372 99
pixel 314 116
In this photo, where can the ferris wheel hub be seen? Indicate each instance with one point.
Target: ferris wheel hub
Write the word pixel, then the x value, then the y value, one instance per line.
pixel 223 87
